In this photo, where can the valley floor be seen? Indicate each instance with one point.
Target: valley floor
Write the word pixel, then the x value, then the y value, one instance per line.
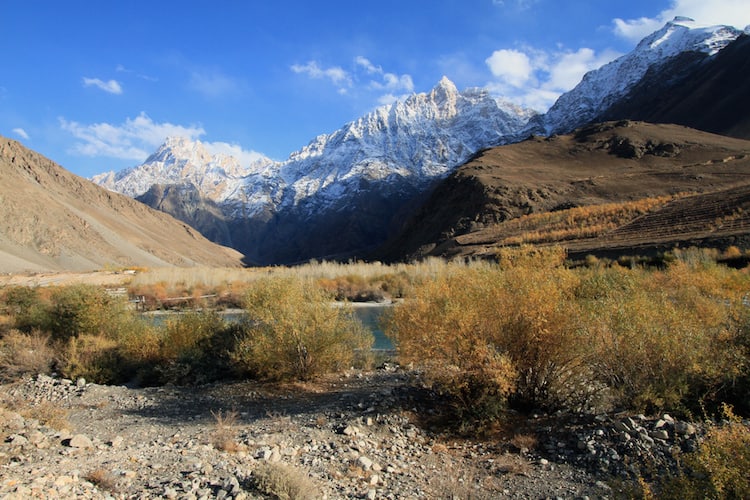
pixel 356 435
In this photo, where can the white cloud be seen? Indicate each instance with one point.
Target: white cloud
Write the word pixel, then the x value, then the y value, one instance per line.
pixel 122 69
pixel 245 157
pixel 21 133
pixel 134 139
pixel 367 65
pixel 511 66
pixel 337 75
pixel 729 12
pixel 111 86
pixel 536 78
pixel 570 67
pixel 363 71
pixel 520 4
pixel 636 29
pixel 390 82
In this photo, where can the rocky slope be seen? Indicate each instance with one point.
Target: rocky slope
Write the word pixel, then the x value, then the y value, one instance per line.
pixel 54 220
pixel 356 435
pixel 599 164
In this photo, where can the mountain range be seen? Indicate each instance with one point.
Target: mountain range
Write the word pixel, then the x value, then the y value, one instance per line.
pixel 357 181
pixel 347 192
pixel 425 175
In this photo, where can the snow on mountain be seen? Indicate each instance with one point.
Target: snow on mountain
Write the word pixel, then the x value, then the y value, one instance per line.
pixel 179 161
pixel 415 140
pixel 602 87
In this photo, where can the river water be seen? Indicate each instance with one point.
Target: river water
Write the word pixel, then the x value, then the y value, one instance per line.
pixel 368 313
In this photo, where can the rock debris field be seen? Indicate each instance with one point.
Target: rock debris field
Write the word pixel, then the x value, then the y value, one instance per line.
pixel 353 435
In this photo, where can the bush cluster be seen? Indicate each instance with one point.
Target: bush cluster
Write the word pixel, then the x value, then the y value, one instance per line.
pixel 290 330
pixel 532 333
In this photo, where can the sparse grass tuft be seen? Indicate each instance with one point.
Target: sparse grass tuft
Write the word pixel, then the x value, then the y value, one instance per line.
pixel 224 438
pixel 285 482
pixel 103 479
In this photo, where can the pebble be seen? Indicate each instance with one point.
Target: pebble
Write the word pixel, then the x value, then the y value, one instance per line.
pixel 162 447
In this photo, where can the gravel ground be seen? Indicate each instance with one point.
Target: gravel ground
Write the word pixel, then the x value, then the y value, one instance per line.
pixel 355 435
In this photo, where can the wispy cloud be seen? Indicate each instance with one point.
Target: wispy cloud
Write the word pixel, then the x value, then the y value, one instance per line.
pixel 519 4
pixel 122 69
pixel 730 12
pixel 337 75
pixel 537 78
pixel 21 133
pixel 364 76
pixel 111 86
pixel 134 139
pixel 213 83
pixel 387 81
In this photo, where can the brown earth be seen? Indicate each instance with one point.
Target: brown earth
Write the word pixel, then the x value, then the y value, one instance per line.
pixel 52 220
pixel 601 164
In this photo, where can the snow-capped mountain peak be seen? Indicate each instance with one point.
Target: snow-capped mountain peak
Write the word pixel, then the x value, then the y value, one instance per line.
pixel 601 87
pixel 180 160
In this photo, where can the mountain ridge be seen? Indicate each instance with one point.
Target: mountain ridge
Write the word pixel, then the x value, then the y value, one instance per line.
pixel 376 167
pixel 379 163
pixel 51 219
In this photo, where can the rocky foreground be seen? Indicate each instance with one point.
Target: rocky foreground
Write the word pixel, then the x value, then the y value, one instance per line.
pixel 356 435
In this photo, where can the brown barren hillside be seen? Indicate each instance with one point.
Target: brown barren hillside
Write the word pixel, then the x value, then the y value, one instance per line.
pixel 51 219
pixel 588 191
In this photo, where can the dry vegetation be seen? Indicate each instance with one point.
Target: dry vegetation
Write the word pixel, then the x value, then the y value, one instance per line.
pixel 572 223
pixel 524 332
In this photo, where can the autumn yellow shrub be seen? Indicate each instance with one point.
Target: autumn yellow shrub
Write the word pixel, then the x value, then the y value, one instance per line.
pixel 663 339
pixel 93 357
pixel 492 335
pixel 292 331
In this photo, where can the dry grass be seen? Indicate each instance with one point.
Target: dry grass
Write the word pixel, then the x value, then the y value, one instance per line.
pixel 48 413
pixel 285 482
pixel 224 435
pixel 573 223
pixel 524 442
pixel 103 479
pixel 22 354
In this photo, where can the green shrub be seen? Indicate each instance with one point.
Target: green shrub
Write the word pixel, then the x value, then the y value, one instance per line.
pixel 27 308
pixel 93 357
pixel 292 331
pixel 188 348
pixel 661 339
pixel 86 310
pixel 718 470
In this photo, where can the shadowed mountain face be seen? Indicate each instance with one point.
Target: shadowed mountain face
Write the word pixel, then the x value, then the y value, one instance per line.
pixel 601 164
pixel 184 202
pixel 51 219
pixel 695 90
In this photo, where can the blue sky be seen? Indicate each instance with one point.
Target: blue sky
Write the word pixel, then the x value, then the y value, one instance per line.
pixel 97 86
